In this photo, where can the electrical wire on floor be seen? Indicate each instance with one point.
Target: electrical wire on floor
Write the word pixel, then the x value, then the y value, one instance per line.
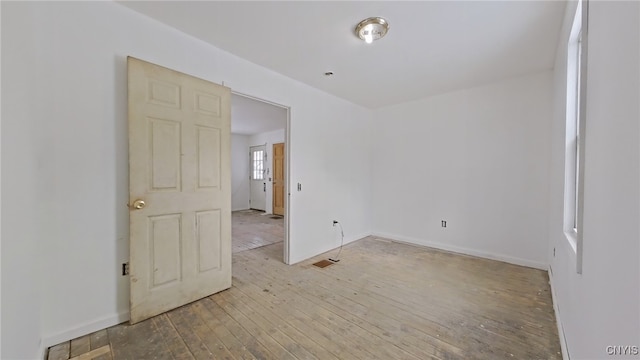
pixel 337 258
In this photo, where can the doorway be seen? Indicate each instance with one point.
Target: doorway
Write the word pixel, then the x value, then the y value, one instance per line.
pixel 259 175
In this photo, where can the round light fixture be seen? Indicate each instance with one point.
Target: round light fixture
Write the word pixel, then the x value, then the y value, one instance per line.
pixel 373 28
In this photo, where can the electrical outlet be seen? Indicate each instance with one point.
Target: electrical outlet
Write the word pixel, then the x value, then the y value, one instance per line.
pixel 443 223
pixel 125 269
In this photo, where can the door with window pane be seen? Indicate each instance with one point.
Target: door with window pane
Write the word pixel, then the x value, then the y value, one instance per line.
pixel 258 196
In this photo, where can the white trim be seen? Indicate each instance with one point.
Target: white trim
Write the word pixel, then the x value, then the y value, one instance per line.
pixel 347 240
pixel 584 7
pixel 575 114
pixel 84 329
pixel 42 351
pixel 556 310
pixel 287 189
pixel 464 250
pixel 350 239
pixel 258 99
pixel 287 171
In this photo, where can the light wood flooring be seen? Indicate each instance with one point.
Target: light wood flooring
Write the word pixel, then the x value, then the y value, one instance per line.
pixel 252 229
pixel 383 300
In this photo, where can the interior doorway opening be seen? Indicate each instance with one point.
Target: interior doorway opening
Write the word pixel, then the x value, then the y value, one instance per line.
pixel 260 174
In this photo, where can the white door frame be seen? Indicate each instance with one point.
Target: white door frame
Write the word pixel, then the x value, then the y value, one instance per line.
pixel 287 167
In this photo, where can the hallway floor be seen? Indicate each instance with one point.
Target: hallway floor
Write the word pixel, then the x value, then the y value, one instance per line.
pixel 252 229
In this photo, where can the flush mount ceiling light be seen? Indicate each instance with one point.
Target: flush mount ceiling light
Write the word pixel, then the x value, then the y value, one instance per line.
pixel 373 28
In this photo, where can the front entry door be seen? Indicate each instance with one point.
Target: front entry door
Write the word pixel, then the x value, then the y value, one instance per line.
pixel 179 188
pixel 278 179
pixel 258 196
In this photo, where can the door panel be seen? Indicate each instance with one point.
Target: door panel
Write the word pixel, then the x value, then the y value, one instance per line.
pixel 278 178
pixel 179 165
pixel 208 162
pixel 165 155
pixel 209 238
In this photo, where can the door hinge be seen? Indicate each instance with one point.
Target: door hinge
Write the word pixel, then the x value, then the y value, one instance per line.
pixel 125 269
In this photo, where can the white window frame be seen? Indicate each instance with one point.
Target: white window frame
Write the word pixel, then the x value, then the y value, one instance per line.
pixel 575 131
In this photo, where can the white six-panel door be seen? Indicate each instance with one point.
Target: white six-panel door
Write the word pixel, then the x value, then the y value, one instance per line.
pixel 179 188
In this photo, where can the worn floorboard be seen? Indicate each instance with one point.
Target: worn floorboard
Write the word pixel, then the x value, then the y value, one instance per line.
pixel 383 300
pixel 252 229
pixel 60 351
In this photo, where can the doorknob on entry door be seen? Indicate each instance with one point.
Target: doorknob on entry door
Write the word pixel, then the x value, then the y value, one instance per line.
pixel 139 204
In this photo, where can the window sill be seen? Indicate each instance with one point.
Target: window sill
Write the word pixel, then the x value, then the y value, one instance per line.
pixel 572 238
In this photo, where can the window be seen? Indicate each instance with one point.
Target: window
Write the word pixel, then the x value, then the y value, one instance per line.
pixel 575 125
pixel 257 164
pixel 573 135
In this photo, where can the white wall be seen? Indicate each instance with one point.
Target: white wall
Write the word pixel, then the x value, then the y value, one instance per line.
pixel 239 172
pixel 477 158
pixel 79 110
pixel 601 307
pixel 21 169
pixel 268 139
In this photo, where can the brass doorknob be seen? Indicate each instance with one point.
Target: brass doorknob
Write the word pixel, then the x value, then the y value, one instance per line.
pixel 138 204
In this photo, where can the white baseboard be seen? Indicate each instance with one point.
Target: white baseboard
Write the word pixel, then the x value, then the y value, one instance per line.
pixel 556 310
pixel 42 351
pixel 463 250
pixel 351 239
pixel 84 329
pixel 347 240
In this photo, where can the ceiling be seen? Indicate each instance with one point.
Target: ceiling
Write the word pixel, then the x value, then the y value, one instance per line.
pixel 250 117
pixel 432 46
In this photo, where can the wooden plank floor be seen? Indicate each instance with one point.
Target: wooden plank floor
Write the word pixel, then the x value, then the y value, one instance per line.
pixel 252 229
pixel 383 300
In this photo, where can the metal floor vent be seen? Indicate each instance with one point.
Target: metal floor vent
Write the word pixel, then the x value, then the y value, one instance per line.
pixel 323 263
